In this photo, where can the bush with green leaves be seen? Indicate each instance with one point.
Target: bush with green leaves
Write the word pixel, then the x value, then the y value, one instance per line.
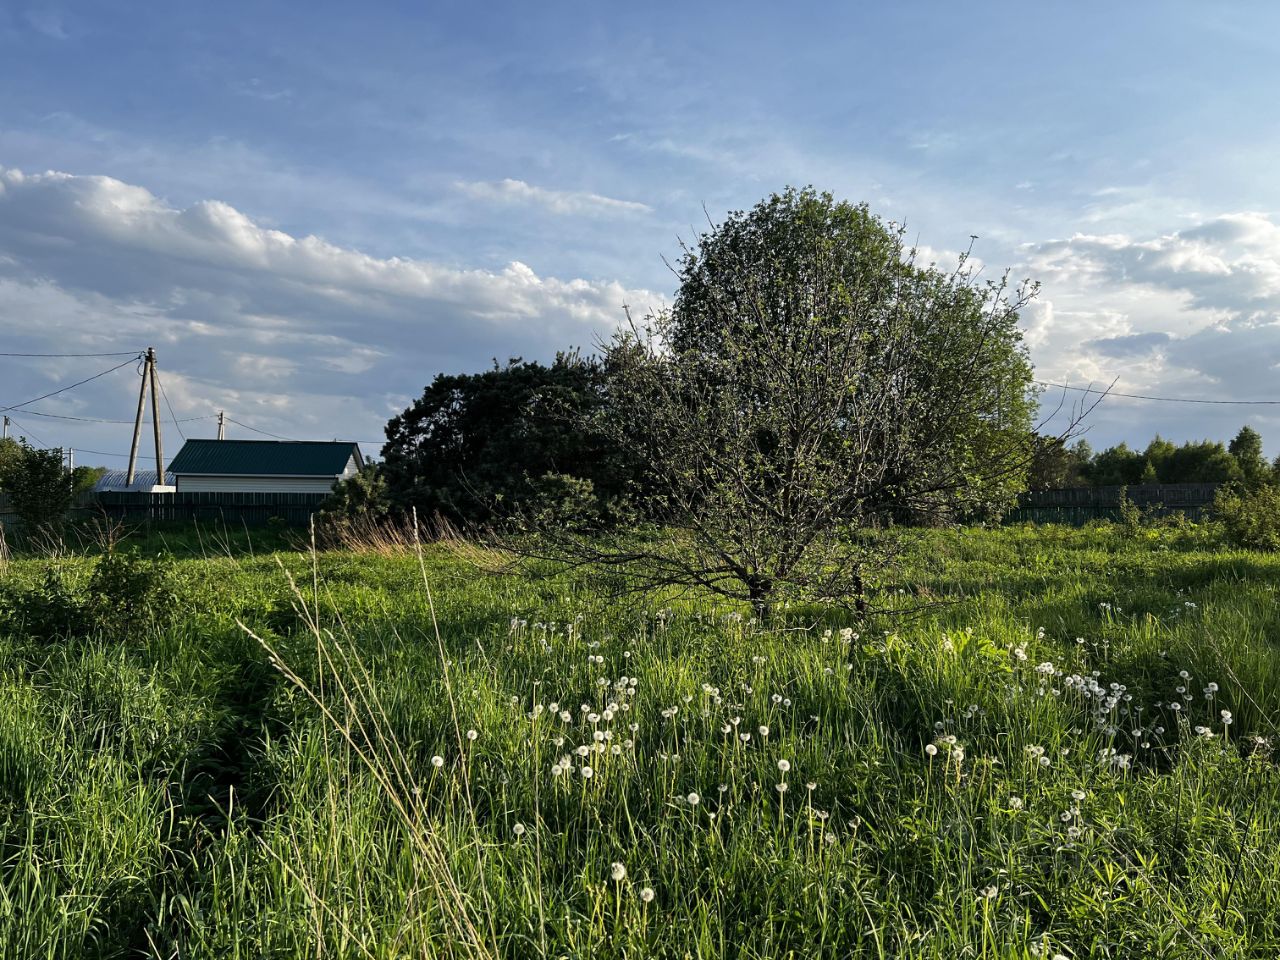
pixel 1250 517
pixel 125 593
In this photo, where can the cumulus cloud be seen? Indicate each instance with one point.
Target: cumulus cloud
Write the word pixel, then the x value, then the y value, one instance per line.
pixel 1129 345
pixel 1192 312
pixel 557 201
pixel 310 338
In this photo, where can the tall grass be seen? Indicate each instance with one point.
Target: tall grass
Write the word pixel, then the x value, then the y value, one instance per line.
pixel 391 759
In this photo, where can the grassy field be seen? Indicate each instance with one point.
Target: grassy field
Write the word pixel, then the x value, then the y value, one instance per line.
pixel 1068 755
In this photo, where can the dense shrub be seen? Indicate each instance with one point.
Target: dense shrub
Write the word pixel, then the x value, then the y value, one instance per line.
pixel 1250 518
pixel 124 593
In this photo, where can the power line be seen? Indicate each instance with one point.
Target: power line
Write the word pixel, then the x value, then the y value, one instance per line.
pixel 125 353
pixel 1142 396
pixel 65 416
pixel 78 383
pixel 273 436
pixel 27 432
pixel 172 415
pixel 122 456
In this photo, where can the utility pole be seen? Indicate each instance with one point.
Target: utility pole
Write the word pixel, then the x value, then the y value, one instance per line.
pixel 155 418
pixel 137 421
pixel 148 383
pixel 6 426
pixel 222 427
pixel 71 459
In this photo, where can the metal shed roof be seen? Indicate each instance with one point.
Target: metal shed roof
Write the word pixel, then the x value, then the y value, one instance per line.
pixel 117 480
pixel 259 458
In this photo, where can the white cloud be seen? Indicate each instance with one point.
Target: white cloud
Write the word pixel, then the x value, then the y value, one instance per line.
pixel 1192 312
pixel 557 201
pixel 317 337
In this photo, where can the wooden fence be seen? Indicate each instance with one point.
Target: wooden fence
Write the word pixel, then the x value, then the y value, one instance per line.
pixel 1078 505
pixel 231 509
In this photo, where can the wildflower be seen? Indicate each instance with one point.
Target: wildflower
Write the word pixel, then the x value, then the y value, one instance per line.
pixel 693 799
pixel 991 892
pixel 764 730
pixel 1015 803
pixel 1226 717
pixel 471 735
pixel 618 872
pixel 744 737
pixel 811 786
pixel 781 787
pixel 518 829
pixel 586 773
pixel 556 769
pixel 1077 795
pixel 647 894
pixel 784 765
pixel 437 761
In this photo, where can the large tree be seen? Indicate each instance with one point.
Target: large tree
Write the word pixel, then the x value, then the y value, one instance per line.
pixel 477 447
pixel 811 380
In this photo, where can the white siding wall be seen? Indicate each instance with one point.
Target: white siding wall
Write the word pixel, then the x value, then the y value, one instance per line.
pixel 196 483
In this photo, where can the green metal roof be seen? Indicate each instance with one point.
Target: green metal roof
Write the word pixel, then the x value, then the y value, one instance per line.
pixel 258 458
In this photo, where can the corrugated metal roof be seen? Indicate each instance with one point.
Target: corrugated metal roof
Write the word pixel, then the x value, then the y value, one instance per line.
pixel 114 480
pixel 257 458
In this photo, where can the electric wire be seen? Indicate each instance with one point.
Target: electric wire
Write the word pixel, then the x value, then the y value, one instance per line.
pixel 1142 396
pixel 123 353
pixel 172 416
pixel 27 433
pixel 274 436
pixel 65 416
pixel 78 383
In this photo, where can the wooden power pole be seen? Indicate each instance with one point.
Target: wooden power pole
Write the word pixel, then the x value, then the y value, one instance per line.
pixel 148 383
pixel 222 427
pixel 155 418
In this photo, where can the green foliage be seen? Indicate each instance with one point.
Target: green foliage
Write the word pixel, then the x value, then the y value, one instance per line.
pixel 128 593
pixel 364 496
pixel 1201 461
pixel 1246 449
pixel 48 609
pixel 474 446
pixel 40 489
pixel 123 595
pixel 1055 465
pixel 1250 516
pixel 11 455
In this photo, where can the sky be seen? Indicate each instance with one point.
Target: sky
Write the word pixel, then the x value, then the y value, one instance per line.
pixel 310 210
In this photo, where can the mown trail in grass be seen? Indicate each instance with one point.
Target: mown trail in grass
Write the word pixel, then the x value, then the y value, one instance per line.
pixel 1023 770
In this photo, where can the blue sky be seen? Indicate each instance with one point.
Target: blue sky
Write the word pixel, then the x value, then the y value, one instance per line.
pixel 311 209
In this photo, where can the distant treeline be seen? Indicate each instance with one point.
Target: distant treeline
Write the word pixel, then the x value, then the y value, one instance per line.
pixel 1058 466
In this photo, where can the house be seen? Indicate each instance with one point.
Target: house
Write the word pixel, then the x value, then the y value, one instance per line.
pixel 263 466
